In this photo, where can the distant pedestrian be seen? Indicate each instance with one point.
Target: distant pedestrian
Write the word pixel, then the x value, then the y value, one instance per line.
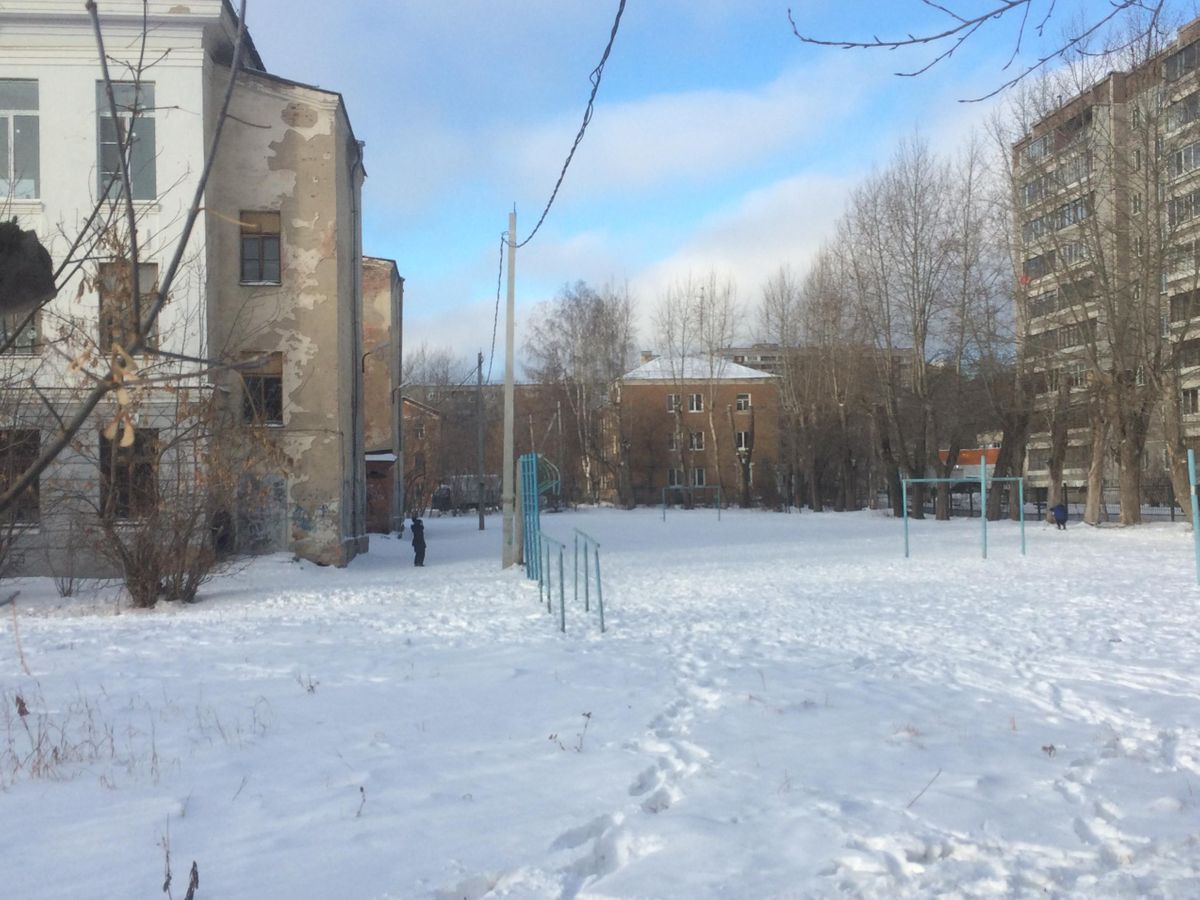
pixel 1060 516
pixel 418 541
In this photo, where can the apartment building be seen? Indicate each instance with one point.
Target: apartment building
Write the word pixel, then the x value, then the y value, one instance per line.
pixel 271 280
pixel 699 426
pixel 1107 199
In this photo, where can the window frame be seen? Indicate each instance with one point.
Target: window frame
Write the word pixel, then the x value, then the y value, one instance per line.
pixel 695 440
pixel 27 441
pixel 263 398
pixel 107 322
pixel 673 404
pixel 137 476
pixel 674 477
pixel 254 234
pixel 10 143
pixel 699 477
pixel 695 403
pixel 743 440
pixel 742 402
pixel 135 109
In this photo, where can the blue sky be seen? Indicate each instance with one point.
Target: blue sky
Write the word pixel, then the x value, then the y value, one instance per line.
pixel 719 141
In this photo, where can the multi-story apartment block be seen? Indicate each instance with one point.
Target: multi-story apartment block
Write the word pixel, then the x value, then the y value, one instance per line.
pixel 699 424
pixel 1107 200
pixel 271 280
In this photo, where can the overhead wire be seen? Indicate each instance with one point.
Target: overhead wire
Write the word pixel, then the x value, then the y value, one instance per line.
pixel 596 75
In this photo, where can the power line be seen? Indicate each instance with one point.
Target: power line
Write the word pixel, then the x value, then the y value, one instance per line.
pixel 496 315
pixel 597 74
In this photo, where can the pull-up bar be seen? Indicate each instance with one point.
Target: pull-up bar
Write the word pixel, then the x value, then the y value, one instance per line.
pixel 983 483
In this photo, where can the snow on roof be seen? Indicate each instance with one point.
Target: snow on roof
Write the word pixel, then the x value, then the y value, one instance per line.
pixel 693 368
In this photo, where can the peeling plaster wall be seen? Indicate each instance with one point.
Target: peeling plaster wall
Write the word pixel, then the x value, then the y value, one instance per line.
pixel 383 302
pixel 289 148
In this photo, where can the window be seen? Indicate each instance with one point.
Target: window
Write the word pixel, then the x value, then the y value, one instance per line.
pixel 117 322
pixel 1136 116
pixel 262 400
pixel 1185 111
pixel 23 341
pixel 743 402
pixel 260 247
pixel 1139 245
pixel 133 128
pixel 20 166
pixel 1137 160
pixel 672 402
pixel 742 440
pixel 1037 266
pixel 672 441
pixel 698 479
pixel 418 430
pixel 1184 306
pixel 1185 159
pixel 695 403
pixel 674 477
pixel 1189 354
pixel 128 476
pixel 696 440
pixel 1180 63
pixel 1191 401
pixel 18 449
pixel 1137 202
pixel 1039 148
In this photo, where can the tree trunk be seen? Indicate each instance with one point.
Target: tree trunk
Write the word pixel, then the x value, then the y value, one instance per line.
pixel 1172 413
pixel 943 494
pixel 1095 484
pixel 1058 451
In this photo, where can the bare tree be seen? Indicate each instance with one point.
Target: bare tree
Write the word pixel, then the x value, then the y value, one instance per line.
pixel 581 342
pixel 1138 20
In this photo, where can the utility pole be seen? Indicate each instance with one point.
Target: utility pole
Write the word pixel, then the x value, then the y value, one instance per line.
pixel 507 496
pixel 479 445
pixel 558 418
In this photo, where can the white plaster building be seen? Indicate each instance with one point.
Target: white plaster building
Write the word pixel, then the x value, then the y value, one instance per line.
pixel 272 271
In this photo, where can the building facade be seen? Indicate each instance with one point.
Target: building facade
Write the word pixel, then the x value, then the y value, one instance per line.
pixel 1107 200
pixel 698 429
pixel 383 426
pixel 263 319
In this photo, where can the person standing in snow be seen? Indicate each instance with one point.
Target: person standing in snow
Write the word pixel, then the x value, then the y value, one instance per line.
pixel 418 541
pixel 1060 516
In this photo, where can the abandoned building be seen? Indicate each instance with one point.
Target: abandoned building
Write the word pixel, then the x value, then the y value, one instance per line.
pixel 271 284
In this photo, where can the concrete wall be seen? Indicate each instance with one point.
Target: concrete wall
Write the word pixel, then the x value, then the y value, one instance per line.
pixel 383 303
pixel 289 148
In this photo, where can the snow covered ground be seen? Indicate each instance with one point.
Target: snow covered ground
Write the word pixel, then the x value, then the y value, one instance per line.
pixel 783 706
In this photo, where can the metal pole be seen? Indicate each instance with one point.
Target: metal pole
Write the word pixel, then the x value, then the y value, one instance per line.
pixel 1195 510
pixel 983 500
pixel 1021 500
pixel 600 590
pixel 508 550
pixel 904 507
pixel 576 579
pixel 545 557
pixel 479 437
pixel 562 594
pixel 587 607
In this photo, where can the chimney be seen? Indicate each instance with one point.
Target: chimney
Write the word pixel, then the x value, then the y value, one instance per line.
pixel 647 356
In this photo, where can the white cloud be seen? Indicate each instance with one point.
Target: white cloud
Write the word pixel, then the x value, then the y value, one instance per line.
pixel 687 135
pixel 782 224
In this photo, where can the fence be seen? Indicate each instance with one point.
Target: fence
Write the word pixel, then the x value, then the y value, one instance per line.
pixel 546 548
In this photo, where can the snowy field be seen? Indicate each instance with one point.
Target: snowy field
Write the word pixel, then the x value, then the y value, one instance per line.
pixel 783 706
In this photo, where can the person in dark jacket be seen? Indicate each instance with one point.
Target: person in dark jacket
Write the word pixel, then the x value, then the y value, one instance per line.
pixel 1060 516
pixel 418 541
